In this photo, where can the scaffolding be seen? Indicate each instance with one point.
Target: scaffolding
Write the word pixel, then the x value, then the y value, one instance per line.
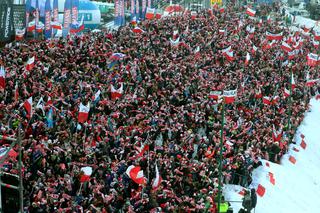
pixel 14 142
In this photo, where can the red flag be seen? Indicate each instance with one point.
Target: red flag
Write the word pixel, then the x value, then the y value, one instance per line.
pixel 116 93
pixel 157 181
pixel 258 94
pixel 315 44
pixel 293 83
pixel 303 144
pixel 229 96
pixel 20 34
pixel 311 82
pixel 261 190
pixel 56 25
pixel 2 77
pixel 31 27
pixel 30 63
pixel 137 30
pixel 291 54
pixel 276 135
pixel 254 49
pixel 292 160
pixel 286 92
pixel 266 100
pixel 83 113
pixel 250 12
pixel 28 106
pixel 136 174
pixel 221 10
pixel 142 150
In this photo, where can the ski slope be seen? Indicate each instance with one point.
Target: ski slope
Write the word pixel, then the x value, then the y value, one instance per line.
pixel 296 186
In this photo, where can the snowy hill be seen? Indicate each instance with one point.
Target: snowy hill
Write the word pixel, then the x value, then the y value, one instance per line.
pixel 296 186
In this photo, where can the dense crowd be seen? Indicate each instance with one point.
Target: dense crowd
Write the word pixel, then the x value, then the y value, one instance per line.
pixel 165 103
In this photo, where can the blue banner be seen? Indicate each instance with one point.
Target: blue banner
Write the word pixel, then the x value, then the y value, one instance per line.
pixel 47 20
pixel 37 16
pixel 55 14
pixel 66 18
pixel 75 12
pixel 28 10
pixel 137 10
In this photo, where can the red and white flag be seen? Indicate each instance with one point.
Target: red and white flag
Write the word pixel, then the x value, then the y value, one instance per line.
pixel 286 92
pixel 271 36
pixel 20 34
pixel 144 147
pixel 150 13
pixel 286 47
pixel 157 180
pixel 175 34
pixel 315 44
pixel 276 135
pixel 221 10
pixel 86 173
pixel 136 174
pixel 137 30
pixel 31 27
pixel 2 77
pixel 83 113
pixel 311 82
pixel 96 96
pixel 116 93
pixel 215 95
pixel 56 25
pixel 193 15
pixel 229 96
pixel 317 35
pixel 134 20
pixel 30 64
pixel 222 32
pixel 228 53
pixel 28 107
pixel 291 55
pixel 312 59
pixel 158 14
pixel 266 100
pixel 254 49
pixel 293 83
pixel 269 19
pixel 248 57
pixel 250 12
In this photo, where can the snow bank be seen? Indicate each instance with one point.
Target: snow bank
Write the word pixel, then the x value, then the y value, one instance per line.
pixel 296 186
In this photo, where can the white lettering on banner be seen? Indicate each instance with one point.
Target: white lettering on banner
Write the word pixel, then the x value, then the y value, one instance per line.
pixel 230 93
pixel 6 30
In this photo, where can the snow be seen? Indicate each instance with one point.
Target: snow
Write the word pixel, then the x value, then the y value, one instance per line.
pixel 297 186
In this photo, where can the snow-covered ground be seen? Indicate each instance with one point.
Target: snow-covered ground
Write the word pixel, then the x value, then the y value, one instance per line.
pixel 296 186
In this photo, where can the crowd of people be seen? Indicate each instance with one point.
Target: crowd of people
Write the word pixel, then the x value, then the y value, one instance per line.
pixel 165 104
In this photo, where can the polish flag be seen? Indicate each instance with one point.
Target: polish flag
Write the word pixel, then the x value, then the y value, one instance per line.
pixel 266 100
pixel 269 19
pixel 275 99
pixel 193 15
pixel 134 20
pixel 271 36
pixel 20 34
pixel 142 150
pixel 116 93
pixel 137 30
pixel 136 174
pixel 96 96
pixel 222 32
pixel 31 27
pixel 286 92
pixel 28 106
pixel 317 35
pixel 16 92
pixel 56 25
pixel 30 64
pixel 150 13
pixel 291 54
pixel 229 96
pixel 315 44
pixel 215 95
pixel 49 102
pixel 2 78
pixel 312 59
pixel 258 94
pixel 158 15
pixel 250 12
pixel 157 181
pixel 286 47
pixel 228 53
pixel 293 83
pixel 254 49
pixel 221 10
pixel 86 173
pixel 83 113
pixel 175 34
pixel 247 59
pixel 311 82
pixel 276 135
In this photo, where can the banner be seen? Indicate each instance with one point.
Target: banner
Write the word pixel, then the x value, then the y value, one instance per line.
pixel 144 6
pixel 37 15
pixel 6 21
pixel 75 12
pixel 122 18
pixel 47 20
pixel 116 12
pixel 149 4
pixel 28 10
pixel 137 10
pixel 132 9
pixel 66 18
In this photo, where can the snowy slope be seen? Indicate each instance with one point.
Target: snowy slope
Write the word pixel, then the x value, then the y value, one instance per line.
pixel 297 186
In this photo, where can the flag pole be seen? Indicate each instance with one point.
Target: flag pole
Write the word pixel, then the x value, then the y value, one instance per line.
pixel 220 156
